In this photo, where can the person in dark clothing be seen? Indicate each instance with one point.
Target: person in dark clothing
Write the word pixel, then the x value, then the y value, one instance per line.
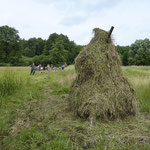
pixel 44 67
pixel 63 66
pixel 32 69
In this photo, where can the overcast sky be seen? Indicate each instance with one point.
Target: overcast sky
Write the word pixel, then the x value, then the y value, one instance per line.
pixel 77 18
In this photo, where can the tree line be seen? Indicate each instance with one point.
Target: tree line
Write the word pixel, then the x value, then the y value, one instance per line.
pixel 58 50
pixel 137 53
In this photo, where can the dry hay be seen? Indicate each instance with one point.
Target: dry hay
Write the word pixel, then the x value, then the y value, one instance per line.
pixel 100 89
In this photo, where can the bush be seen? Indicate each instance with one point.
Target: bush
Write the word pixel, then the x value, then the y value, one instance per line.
pixel 5 64
pixel 25 61
pixel 42 59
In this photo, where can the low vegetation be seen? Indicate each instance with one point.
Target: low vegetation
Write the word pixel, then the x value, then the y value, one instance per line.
pixel 35 115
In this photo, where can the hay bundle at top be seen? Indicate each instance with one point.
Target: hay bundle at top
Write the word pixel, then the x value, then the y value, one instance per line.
pixel 100 90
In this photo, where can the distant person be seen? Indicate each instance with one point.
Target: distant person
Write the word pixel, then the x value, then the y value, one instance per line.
pixel 56 69
pixel 63 66
pixel 48 68
pixel 40 68
pixel 44 67
pixel 32 69
pixel 51 66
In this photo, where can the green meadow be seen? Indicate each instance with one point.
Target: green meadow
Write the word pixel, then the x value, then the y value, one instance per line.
pixel 34 113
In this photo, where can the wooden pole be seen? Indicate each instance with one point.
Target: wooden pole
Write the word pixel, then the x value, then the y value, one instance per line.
pixel 110 31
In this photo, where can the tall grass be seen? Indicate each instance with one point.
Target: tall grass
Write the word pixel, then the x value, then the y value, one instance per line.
pixel 140 79
pixel 60 82
pixel 9 82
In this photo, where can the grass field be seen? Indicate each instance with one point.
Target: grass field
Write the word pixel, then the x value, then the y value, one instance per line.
pixel 34 114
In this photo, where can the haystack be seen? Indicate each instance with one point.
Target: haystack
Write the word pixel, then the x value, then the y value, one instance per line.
pixel 100 90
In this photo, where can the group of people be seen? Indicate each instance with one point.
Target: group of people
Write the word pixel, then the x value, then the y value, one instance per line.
pixel 40 68
pixel 60 68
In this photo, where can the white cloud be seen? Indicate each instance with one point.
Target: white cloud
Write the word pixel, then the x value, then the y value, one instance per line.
pixel 77 18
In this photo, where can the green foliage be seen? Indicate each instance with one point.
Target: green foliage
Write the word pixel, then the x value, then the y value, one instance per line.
pixel 136 54
pixel 139 53
pixel 61 49
pixel 123 52
pixel 58 55
pixel 5 64
pixel 42 59
pixel 9 45
pixel 49 43
pixel 32 47
pixel 57 49
pixel 12 48
pixel 25 61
